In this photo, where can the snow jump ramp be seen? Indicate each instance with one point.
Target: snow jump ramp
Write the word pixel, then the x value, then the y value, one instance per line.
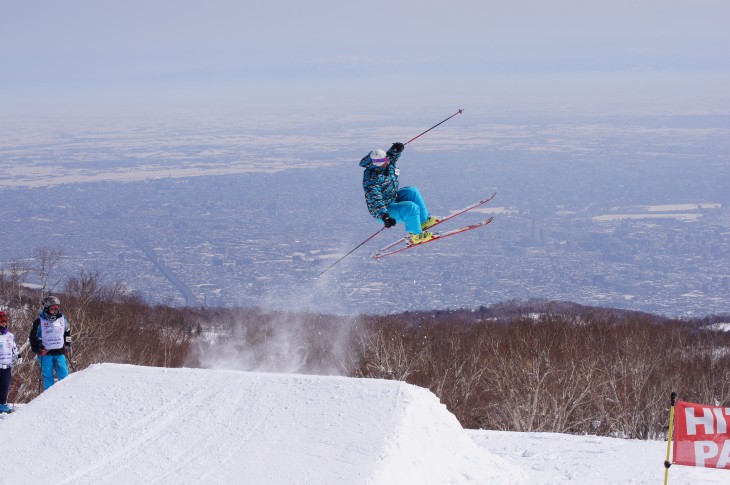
pixel 141 425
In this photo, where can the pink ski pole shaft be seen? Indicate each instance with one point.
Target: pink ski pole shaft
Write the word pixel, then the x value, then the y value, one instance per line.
pixel 353 250
pixel 434 126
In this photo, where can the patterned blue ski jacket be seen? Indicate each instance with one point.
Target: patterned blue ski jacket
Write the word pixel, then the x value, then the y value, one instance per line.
pixel 380 184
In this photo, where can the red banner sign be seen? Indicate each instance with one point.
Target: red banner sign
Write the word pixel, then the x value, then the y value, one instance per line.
pixel 701 435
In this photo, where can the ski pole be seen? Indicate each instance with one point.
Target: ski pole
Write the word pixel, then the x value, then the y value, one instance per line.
pixel 19 385
pixel 70 359
pixel 352 251
pixel 434 126
pixel 40 374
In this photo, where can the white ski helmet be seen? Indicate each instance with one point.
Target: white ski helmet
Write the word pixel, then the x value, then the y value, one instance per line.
pixel 49 301
pixel 378 157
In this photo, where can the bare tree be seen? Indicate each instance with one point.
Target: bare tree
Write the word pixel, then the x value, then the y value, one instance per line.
pixel 388 355
pixel 11 283
pixel 47 259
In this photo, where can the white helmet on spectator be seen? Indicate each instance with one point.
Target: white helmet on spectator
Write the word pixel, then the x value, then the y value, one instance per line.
pixel 50 301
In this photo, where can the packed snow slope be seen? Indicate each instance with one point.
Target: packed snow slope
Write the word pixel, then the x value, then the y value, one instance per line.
pixel 120 424
pixel 128 424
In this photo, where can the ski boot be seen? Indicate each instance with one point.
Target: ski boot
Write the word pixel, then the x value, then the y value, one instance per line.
pixel 421 238
pixel 430 222
pixel 4 408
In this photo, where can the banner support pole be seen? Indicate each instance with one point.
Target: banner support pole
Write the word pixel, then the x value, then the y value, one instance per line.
pixel 668 463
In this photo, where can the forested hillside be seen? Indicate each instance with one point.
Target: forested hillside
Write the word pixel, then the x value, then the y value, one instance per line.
pixel 520 366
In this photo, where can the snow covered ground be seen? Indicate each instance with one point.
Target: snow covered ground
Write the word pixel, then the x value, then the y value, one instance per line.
pixel 128 424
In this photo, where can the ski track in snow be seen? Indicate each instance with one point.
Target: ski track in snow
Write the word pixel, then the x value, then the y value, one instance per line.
pixel 122 424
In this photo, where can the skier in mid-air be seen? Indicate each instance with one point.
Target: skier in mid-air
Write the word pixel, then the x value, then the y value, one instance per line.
pixel 389 203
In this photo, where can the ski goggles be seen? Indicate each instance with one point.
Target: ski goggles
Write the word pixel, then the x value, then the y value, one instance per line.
pixel 379 162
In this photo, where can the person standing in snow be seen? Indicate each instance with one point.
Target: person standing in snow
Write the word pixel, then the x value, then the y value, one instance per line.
pixel 389 203
pixel 50 338
pixel 8 358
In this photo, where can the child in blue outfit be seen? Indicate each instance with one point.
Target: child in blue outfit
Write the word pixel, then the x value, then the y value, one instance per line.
pixel 49 339
pixel 8 358
pixel 389 203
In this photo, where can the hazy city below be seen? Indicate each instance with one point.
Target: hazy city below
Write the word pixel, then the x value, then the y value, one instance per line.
pixel 625 211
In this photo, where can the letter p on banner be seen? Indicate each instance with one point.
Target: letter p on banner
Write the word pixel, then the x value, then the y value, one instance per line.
pixel 701 436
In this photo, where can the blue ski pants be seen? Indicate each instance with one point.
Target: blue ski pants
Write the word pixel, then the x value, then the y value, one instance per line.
pixel 409 208
pixel 49 364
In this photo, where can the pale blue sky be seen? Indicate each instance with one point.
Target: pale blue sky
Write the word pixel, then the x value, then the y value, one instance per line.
pixel 66 57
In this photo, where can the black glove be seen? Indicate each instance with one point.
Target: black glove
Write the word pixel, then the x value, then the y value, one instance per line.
pixel 397 147
pixel 388 221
